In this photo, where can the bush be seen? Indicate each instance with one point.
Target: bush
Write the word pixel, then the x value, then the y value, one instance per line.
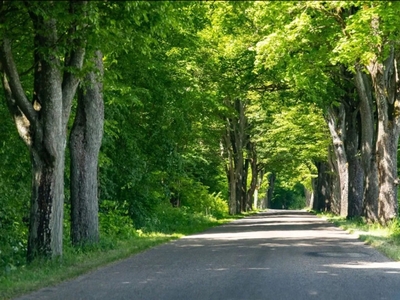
pixel 170 219
pixel 197 199
pixel 114 220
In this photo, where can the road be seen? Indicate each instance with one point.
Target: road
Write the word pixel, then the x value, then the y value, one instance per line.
pixel 279 254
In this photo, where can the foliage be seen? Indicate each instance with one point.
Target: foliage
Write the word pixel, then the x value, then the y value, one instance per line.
pixel 14 195
pixel 288 197
pixel 115 221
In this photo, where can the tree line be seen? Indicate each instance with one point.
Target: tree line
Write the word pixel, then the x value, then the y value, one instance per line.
pixel 210 107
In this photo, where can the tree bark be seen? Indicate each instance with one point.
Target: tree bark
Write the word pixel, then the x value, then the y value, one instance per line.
pixel 254 176
pixel 368 138
pixel 322 188
pixel 333 204
pixel 309 197
pixel 385 83
pixel 85 142
pixel 356 172
pixel 270 191
pixel 336 124
pixel 230 171
pixel 236 139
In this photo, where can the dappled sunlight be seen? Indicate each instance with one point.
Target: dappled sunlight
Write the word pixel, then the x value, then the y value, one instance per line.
pixel 263 234
pixel 273 232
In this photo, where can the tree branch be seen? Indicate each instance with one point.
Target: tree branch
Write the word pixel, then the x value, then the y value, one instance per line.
pixel 21 122
pixel 14 82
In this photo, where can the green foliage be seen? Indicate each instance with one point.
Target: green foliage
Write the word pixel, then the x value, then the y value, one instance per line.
pixel 168 219
pixel 115 221
pixel 196 198
pixel 14 194
pixel 288 197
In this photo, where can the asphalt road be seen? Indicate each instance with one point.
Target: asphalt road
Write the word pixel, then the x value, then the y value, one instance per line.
pixel 279 254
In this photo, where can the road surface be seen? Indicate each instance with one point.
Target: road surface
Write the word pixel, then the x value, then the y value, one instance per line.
pixel 279 254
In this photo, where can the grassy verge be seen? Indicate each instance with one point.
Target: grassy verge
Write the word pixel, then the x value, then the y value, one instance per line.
pixel 77 261
pixel 384 239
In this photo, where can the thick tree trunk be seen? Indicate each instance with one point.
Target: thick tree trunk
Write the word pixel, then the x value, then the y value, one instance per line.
pixel 368 159
pixel 85 142
pixel 356 172
pixel 385 82
pixel 336 124
pixel 236 140
pixel 46 216
pixel 322 188
pixel 45 138
pixel 309 197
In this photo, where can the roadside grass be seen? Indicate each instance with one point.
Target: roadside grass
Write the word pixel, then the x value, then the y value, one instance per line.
pixel 384 239
pixel 77 261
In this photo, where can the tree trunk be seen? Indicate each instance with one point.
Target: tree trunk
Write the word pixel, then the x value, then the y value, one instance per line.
pixel 356 172
pixel 368 159
pixel 336 124
pixel 251 193
pixel 333 204
pixel 243 186
pixel 230 172
pixel 322 188
pixel 85 142
pixel 270 191
pixel 236 140
pixel 309 197
pixel 385 82
pixel 232 188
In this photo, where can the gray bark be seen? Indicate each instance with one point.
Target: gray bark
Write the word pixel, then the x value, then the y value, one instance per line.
pixel 356 172
pixel 336 124
pixel 385 83
pixel 334 183
pixel 322 188
pixel 85 142
pixel 368 159
pixel 235 140
pixel 309 197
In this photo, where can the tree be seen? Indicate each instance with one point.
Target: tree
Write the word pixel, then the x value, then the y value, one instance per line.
pixel 85 142
pixel 368 44
pixel 41 122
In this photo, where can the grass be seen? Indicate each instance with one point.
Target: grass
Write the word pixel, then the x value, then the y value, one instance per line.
pixel 77 261
pixel 384 239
